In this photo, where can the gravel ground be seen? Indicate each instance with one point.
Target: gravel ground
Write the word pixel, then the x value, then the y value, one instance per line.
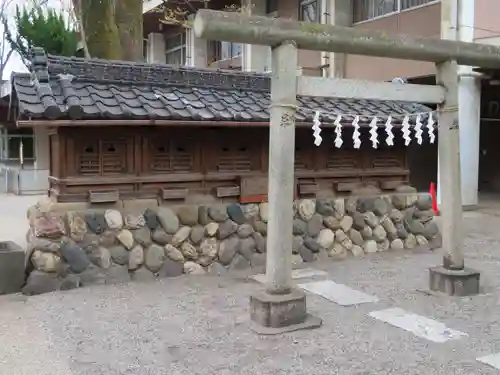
pixel 199 325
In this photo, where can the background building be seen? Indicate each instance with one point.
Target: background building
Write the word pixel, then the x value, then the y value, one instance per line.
pixel 173 44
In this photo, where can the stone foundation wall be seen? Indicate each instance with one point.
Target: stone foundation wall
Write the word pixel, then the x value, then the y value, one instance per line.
pixel 78 248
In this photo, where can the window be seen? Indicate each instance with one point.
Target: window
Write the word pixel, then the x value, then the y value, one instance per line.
pixel 223 50
pixel 230 50
pixel 310 11
pixel 271 6
pixel 10 145
pixel 407 4
pixel 213 51
pixel 175 49
pixel 368 9
pixel 364 10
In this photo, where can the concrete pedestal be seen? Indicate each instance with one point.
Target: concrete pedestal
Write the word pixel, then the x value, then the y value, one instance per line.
pixel 272 314
pixel 11 267
pixel 458 283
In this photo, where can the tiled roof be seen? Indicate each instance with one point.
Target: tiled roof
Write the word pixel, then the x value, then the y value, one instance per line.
pixel 75 88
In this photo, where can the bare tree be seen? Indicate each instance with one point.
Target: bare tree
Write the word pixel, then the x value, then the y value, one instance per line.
pixel 76 15
pixel 5 50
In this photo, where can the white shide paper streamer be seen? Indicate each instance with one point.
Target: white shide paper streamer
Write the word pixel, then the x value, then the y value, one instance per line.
pixel 373 132
pixel 430 128
pixel 388 130
pixel 406 130
pixel 355 134
pixel 338 132
pixel 418 130
pixel 317 130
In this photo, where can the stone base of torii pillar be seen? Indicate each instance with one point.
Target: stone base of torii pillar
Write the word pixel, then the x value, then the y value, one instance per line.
pixel 272 314
pixel 459 283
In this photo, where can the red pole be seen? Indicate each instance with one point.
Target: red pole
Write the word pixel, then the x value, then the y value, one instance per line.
pixel 434 199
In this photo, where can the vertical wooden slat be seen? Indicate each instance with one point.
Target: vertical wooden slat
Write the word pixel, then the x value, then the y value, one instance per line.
pixel 146 154
pixel 264 154
pixel 137 153
pixel 130 156
pixel 254 147
pixel 193 145
pixel 366 156
pixel 101 158
pixel 210 146
pixel 204 152
pixel 62 154
pixel 55 155
pixel 321 152
pixel 71 157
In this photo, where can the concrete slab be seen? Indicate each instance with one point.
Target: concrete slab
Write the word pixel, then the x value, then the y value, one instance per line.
pixel 302 273
pixel 338 293
pixel 418 325
pixel 492 360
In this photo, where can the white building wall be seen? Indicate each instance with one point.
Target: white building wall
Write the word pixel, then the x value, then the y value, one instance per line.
pixel 155 50
pixel 469 104
pixel 256 58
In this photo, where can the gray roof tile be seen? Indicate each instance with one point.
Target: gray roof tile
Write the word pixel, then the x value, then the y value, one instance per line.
pixel 75 88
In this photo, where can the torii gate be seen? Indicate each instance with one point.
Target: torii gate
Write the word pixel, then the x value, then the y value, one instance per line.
pixel 280 308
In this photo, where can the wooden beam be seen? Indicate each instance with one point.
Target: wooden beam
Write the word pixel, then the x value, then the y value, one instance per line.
pixel 125 122
pixel 243 28
pixel 354 89
pixel 167 123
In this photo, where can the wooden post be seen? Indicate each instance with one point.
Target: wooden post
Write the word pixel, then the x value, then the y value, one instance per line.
pixel 281 167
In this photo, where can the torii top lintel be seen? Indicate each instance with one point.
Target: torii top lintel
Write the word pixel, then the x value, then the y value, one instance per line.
pixel 243 28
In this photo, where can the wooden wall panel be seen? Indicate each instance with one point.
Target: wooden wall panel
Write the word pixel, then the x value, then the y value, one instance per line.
pixel 145 161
